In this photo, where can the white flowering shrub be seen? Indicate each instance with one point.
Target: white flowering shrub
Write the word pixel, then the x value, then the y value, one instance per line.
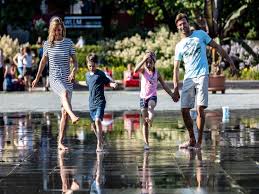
pixel 132 49
pixel 9 46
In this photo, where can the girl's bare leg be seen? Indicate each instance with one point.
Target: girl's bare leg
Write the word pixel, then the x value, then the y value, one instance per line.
pixel 145 125
pixel 151 107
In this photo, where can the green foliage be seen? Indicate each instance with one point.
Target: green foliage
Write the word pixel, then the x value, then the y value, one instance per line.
pixel 118 72
pixel 81 53
pixel 245 74
pixel 80 75
pixel 249 74
pixel 252 34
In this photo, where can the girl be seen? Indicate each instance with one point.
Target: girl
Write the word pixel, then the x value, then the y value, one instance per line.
pixel 148 94
pixel 57 51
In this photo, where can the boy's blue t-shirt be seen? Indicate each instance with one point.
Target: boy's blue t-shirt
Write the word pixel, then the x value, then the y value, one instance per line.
pixel 96 84
pixel 192 51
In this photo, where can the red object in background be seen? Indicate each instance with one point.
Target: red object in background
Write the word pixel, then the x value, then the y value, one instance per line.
pixel 132 80
pixel 131 122
pixel 107 122
pixel 107 72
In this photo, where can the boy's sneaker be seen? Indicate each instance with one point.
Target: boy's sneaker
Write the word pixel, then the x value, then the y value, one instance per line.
pixel 146 147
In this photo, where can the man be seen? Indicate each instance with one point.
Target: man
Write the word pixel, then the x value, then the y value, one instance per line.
pixel 192 51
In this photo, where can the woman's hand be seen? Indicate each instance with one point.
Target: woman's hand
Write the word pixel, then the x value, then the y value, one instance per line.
pixel 34 83
pixel 71 77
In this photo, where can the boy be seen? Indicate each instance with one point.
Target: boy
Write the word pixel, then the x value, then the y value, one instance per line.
pixel 96 79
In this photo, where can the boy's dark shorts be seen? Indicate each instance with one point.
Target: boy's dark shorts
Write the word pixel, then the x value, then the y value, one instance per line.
pixel 97 113
pixel 144 103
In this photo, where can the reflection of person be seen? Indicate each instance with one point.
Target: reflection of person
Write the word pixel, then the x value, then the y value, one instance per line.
pixel 195 168
pixel 148 92
pixel 146 180
pixel 96 187
pixel 96 79
pixel 192 51
pixel 68 185
pixel 58 50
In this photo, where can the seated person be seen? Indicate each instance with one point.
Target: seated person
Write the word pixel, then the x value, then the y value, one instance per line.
pixel 131 79
pixel 108 72
pixel 9 75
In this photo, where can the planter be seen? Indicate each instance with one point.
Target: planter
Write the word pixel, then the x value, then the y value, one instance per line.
pixel 217 83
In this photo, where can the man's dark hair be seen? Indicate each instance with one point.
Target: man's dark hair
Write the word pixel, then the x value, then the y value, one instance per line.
pixel 92 57
pixel 180 16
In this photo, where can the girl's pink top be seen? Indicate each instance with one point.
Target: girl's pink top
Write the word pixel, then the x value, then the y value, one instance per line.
pixel 148 84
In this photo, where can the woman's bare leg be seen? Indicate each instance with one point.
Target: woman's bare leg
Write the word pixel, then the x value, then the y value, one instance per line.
pixel 67 106
pixel 62 128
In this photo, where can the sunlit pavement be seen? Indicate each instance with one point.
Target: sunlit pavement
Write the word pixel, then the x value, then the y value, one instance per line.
pixel 39 101
pixel 31 163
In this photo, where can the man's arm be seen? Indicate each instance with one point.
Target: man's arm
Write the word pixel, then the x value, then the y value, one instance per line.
pixel 176 80
pixel 223 53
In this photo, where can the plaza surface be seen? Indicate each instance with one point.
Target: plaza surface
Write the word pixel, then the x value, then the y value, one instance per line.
pixel 30 162
pixel 38 101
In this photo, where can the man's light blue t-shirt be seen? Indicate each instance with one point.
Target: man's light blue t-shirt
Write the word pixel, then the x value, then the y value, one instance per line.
pixel 192 51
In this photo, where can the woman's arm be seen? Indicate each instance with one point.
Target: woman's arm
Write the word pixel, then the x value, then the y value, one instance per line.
pixel 74 69
pixel 43 62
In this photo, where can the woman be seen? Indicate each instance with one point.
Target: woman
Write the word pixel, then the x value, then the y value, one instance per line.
pixel 57 50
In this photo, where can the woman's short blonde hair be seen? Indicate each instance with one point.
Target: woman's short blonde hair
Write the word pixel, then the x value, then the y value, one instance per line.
pixel 54 22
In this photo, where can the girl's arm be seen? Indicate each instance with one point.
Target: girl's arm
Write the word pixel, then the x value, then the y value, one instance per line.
pixel 140 64
pixel 165 86
pixel 43 62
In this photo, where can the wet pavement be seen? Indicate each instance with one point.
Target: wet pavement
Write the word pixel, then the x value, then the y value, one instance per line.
pixel 227 164
pixel 37 101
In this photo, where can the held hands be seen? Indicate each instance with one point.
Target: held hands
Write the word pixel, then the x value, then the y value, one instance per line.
pixel 176 95
pixel 113 85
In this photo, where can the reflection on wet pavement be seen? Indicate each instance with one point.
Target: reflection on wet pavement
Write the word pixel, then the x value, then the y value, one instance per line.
pixel 227 164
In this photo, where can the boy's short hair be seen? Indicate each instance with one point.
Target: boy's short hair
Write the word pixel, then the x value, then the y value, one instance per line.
pixel 92 57
pixel 180 16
